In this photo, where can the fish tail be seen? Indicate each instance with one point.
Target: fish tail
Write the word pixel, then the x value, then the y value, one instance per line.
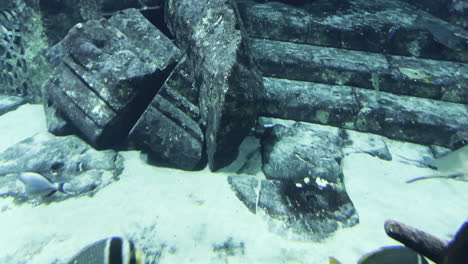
pixel 60 188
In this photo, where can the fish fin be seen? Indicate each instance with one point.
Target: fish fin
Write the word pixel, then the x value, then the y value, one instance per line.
pixel 46 177
pixel 51 193
pixel 60 188
pixel 333 260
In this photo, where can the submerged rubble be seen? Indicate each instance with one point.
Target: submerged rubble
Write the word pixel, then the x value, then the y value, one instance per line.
pixel 218 48
pixel 304 185
pixel 188 92
pixel 68 160
pixel 106 73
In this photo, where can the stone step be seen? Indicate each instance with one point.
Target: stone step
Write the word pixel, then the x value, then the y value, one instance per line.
pixel 381 26
pixel 454 11
pixel 406 118
pixel 440 80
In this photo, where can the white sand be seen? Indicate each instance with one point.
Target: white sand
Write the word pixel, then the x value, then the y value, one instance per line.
pixel 192 211
pixel 20 124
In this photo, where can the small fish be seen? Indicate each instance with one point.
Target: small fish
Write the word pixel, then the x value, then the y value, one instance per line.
pixel 392 32
pixel 113 250
pixel 37 185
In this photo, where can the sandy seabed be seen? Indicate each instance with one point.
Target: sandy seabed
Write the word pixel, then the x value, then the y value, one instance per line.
pixel 189 212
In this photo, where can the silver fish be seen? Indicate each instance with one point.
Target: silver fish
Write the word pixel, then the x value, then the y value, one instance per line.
pixel 37 185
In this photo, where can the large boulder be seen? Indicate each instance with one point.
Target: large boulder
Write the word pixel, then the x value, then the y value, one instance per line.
pixel 212 34
pixel 107 72
pixel 82 169
pixel 299 213
pixel 168 129
pixel 304 187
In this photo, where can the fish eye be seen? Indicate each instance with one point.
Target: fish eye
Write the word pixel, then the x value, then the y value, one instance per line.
pixel 57 166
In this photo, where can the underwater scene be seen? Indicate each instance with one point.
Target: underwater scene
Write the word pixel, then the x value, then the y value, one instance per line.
pixel 233 131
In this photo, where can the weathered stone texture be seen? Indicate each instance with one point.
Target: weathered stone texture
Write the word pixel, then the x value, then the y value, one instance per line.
pixel 304 186
pixel 169 129
pixel 61 159
pixel 23 65
pixel 107 72
pixel 391 27
pixel 405 118
pixel 440 80
pixel 212 34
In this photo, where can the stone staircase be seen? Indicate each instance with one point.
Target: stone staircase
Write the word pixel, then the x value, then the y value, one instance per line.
pixel 383 67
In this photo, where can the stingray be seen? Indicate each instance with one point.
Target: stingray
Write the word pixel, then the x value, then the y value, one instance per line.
pixel 453 165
